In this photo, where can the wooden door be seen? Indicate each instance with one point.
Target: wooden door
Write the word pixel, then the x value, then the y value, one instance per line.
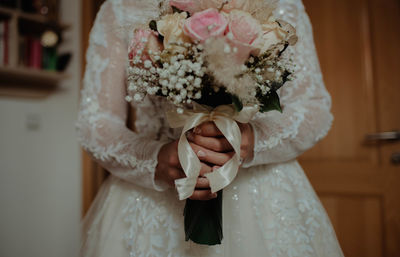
pixel 358 42
pixel 93 174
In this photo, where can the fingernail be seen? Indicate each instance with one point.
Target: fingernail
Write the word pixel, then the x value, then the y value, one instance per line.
pixel 216 168
pixel 197 130
pixel 201 154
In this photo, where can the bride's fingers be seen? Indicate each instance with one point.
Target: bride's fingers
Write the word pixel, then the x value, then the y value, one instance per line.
pixel 218 144
pixel 207 129
pixel 205 169
pixel 203 195
pixel 203 183
pixel 215 168
pixel 212 157
pixel 173 174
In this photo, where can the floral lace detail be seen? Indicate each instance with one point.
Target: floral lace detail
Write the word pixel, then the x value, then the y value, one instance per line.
pixel 102 117
pixel 151 231
pixel 158 232
pixel 297 218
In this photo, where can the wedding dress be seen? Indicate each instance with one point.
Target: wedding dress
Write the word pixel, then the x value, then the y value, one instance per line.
pixel 269 210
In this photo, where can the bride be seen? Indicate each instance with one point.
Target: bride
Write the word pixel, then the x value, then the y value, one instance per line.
pixel 270 209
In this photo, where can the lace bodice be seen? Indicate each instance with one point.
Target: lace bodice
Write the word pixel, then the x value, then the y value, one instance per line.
pixel 132 155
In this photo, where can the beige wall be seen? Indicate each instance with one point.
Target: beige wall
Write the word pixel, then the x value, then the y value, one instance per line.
pixel 40 177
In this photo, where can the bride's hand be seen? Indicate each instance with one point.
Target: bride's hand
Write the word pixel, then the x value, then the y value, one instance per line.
pixel 215 148
pixel 169 169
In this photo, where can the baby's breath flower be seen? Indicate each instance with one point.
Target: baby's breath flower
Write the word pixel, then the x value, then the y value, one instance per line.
pixel 173 79
pixel 178 86
pixel 128 98
pixel 183 93
pixel 164 83
pixel 227 49
pixel 138 97
pixel 230 36
pixel 181 73
pixel 178 99
pixel 197 82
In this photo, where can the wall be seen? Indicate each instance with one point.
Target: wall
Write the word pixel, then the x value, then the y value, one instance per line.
pixel 40 170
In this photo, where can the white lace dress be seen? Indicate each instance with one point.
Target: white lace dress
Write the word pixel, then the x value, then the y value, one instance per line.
pixel 269 210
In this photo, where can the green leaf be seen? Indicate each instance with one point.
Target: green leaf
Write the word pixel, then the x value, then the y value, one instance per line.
pixel 237 103
pixel 153 25
pixel 270 102
pixel 176 9
pixel 203 221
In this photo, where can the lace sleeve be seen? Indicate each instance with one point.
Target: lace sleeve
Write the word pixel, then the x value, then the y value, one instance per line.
pixel 102 117
pixel 306 116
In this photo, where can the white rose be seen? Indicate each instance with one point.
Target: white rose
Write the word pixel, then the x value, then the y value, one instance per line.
pixel 171 27
pixel 272 34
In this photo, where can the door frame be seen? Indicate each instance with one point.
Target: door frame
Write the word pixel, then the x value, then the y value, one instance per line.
pixel 93 174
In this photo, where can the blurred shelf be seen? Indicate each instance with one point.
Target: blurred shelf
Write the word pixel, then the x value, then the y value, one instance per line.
pixel 22 81
pixel 10 12
pixel 30 74
pixel 28 82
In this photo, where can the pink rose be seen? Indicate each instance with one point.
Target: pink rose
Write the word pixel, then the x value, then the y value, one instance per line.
pixel 244 27
pixel 244 33
pixel 145 41
pixel 205 24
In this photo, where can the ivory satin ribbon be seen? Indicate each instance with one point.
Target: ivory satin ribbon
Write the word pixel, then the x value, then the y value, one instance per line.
pixel 224 117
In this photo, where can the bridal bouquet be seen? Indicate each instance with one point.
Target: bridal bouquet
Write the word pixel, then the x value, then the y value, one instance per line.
pixel 213 60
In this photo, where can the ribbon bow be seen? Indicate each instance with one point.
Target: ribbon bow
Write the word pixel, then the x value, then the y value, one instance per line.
pixel 224 117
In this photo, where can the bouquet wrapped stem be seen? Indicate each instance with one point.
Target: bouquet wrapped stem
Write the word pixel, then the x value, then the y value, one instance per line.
pixel 203 221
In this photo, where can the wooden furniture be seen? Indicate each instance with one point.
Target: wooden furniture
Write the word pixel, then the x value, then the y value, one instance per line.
pixel 15 79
